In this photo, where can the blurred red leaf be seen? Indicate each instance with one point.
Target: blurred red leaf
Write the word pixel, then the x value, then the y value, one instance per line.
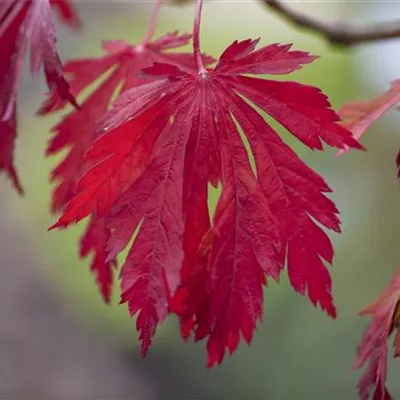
pixel 23 24
pixel 358 116
pixel 372 351
pixel 67 13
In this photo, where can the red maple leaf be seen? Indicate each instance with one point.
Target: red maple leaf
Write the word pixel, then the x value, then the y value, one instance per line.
pixel 358 116
pixel 385 318
pixel 23 24
pixel 77 130
pixel 163 142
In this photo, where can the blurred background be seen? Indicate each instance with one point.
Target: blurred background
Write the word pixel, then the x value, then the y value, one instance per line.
pixel 57 338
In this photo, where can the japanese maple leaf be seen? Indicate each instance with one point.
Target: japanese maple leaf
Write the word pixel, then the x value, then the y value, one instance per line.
pixel 358 116
pixel 163 142
pixel 77 130
pixel 372 351
pixel 26 24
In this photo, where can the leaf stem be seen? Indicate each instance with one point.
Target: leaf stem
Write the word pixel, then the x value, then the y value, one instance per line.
pixel 152 23
pixel 196 39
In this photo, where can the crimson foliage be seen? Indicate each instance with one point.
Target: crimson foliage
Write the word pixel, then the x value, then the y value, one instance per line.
pixel 182 122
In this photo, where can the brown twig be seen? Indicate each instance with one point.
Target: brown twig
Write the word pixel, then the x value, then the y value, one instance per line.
pixel 338 33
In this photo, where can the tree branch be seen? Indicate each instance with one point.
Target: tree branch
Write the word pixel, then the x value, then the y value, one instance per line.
pixel 339 33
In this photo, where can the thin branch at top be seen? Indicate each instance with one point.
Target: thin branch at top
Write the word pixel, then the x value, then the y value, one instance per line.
pixel 338 33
